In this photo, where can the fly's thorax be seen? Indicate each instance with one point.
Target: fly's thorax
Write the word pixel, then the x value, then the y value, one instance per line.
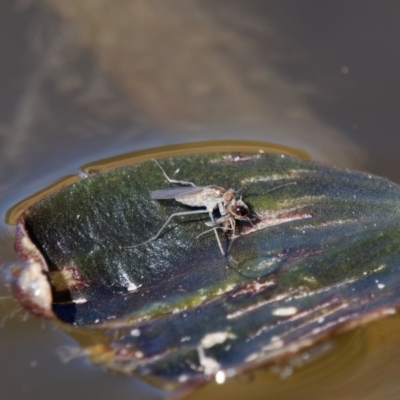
pixel 218 191
pixel 229 196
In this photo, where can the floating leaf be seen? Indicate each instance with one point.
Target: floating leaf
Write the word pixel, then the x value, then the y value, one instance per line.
pixel 319 256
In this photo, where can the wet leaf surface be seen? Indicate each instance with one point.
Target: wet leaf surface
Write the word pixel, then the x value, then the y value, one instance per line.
pixel 320 256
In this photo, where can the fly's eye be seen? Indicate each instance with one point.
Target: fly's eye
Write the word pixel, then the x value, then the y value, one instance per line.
pixel 242 211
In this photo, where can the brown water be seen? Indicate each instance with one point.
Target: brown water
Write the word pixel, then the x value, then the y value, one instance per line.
pixel 83 80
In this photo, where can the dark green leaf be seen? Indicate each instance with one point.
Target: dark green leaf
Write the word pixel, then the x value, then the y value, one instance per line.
pixel 321 255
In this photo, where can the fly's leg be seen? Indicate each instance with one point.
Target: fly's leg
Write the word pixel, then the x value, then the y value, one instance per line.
pixel 249 220
pixel 215 231
pixel 214 228
pixel 172 180
pixel 216 236
pixel 167 222
pixel 176 215
pixel 232 223
pixel 219 242
pixel 208 230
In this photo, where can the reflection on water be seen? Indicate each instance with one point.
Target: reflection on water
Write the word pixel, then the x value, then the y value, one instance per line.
pixel 204 77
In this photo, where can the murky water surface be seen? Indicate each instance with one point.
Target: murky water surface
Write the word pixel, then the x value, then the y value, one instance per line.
pixel 82 81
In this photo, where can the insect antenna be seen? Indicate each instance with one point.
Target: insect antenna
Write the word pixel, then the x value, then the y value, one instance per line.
pixel 268 191
pixel 281 186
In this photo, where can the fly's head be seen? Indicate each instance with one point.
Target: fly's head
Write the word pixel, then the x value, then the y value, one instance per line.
pixel 239 210
pixel 229 196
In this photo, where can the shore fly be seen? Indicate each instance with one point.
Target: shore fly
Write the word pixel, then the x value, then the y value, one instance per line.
pixel 210 198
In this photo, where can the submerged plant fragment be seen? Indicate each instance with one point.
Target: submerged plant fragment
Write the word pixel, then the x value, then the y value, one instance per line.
pixel 320 255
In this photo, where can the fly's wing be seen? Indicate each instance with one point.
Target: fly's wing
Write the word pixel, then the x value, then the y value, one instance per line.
pixel 176 192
